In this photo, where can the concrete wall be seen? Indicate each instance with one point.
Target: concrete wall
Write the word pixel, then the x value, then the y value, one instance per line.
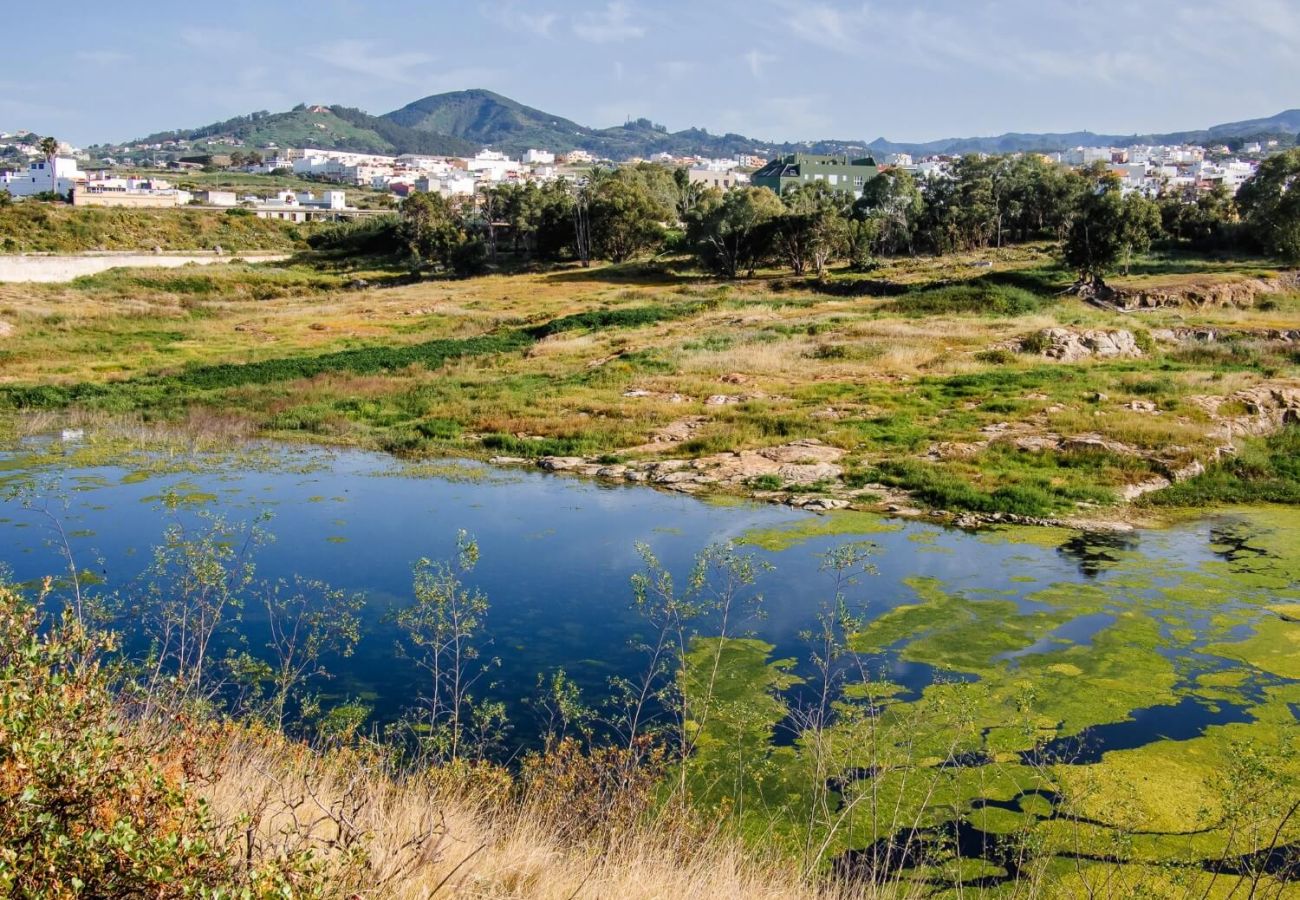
pixel 52 269
pixel 125 199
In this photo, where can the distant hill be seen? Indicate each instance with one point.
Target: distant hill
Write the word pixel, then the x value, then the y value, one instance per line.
pixel 330 128
pixel 464 122
pixel 1283 125
pixel 504 124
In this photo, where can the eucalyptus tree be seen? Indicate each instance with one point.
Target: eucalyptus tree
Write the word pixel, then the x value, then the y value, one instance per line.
pixel 1270 205
pixel 733 233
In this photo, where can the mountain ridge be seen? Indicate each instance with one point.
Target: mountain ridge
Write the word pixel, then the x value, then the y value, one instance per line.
pixel 461 122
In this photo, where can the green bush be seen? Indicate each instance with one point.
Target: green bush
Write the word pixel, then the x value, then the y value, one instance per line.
pixel 1264 471
pixel 980 297
pixel 84 810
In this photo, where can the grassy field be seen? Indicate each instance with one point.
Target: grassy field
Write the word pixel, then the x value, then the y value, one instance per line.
pixel 59 228
pixel 912 370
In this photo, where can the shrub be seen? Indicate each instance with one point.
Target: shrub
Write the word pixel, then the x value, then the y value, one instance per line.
pixel 980 297
pixel 84 810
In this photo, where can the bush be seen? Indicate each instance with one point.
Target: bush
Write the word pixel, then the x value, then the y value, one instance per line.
pixel 1264 471
pixel 980 297
pixel 84 810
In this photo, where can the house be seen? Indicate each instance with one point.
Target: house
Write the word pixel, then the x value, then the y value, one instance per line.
pixel 839 172
pixel 60 176
pixel 216 198
pixel 713 178
pixel 539 158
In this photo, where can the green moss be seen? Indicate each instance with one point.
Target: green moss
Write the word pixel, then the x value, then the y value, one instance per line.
pixel 784 537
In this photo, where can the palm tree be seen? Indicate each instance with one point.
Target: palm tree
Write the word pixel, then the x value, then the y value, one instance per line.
pixel 50 147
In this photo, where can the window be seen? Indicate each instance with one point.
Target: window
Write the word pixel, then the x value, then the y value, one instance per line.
pixel 859 181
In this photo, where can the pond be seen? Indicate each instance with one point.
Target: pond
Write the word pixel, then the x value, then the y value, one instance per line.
pixel 1135 638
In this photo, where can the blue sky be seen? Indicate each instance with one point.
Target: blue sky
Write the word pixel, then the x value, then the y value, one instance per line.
pixel 771 69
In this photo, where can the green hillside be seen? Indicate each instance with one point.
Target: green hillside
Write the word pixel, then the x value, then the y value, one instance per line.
pixel 489 119
pixel 329 128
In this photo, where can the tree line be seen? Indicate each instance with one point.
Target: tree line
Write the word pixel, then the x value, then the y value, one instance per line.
pixel 982 202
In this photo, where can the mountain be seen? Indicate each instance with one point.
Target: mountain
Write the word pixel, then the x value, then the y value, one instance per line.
pixel 463 122
pixel 504 124
pixel 1283 125
pixel 326 127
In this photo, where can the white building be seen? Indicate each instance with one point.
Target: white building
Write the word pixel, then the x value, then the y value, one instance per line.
pixel 61 177
pixel 539 158
pixel 491 165
pixel 713 178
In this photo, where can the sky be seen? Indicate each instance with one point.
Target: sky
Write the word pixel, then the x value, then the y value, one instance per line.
pixel 907 70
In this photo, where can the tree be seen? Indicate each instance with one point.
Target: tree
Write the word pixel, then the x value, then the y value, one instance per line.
pixel 49 147
pixel 6 199
pixel 434 231
pixel 733 232
pixel 813 228
pixel 627 212
pixel 1270 205
pixel 1108 229
pixel 237 159
pixel 890 208
pixel 441 632
pixel 1200 218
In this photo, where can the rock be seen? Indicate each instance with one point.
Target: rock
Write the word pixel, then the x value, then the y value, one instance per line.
pixel 734 378
pixel 614 471
pixel 1067 345
pixel 1094 442
pixel 681 477
pixel 795 473
pixel 638 392
pixel 508 461
pixel 721 400
pixel 217 251
pixel 1143 406
pixel 1187 472
pixel 561 463
pixel 6 330
pixel 818 504
pixel 953 450
pixel 1098 397
pixel 1133 491
pixel 808 450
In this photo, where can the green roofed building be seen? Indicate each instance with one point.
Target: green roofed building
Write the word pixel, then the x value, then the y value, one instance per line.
pixel 840 172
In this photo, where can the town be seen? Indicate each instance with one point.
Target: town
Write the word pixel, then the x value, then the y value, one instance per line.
pixel 1187 169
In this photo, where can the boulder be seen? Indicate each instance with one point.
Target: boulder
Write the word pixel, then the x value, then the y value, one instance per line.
pixel 6 330
pixel 561 463
pixel 1068 345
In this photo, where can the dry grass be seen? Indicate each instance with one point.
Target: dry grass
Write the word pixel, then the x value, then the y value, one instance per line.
pixel 460 836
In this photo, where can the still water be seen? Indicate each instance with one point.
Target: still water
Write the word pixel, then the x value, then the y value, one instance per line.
pixel 557 554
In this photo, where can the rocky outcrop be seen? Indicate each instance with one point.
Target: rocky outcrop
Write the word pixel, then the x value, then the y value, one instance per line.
pixel 1208 335
pixel 797 464
pixel 1068 345
pixel 1259 410
pixel 1241 293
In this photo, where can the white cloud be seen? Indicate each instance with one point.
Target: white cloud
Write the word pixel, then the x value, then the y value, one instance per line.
pixel 514 17
pixel 371 59
pixel 757 61
pixel 612 25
